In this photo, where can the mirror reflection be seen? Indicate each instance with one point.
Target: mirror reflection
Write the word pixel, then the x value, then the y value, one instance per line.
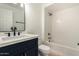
pixel 12 16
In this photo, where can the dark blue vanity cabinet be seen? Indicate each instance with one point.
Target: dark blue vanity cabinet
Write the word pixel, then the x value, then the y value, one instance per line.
pixel 26 48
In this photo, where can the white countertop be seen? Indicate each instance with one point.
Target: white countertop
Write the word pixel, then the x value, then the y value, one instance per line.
pixel 5 40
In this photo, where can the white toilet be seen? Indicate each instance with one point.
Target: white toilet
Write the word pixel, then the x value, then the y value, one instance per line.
pixel 44 49
pixel 47 51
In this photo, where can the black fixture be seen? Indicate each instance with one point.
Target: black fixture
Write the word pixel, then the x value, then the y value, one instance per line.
pixel 14 30
pixel 18 33
pixel 49 33
pixel 8 34
pixel 77 43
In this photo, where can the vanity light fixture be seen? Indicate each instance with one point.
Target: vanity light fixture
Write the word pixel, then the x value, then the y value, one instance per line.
pixel 22 5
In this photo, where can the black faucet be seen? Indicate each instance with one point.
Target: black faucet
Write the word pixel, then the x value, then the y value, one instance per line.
pixel 14 30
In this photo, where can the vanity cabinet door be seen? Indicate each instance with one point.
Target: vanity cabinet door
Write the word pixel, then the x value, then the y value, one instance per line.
pixel 32 49
pixel 32 52
pixel 13 50
pixel 8 51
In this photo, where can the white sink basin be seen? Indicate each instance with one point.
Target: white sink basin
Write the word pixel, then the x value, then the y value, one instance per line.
pixel 13 37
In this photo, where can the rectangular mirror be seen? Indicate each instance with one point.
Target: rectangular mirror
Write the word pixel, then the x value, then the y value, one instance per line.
pixel 12 15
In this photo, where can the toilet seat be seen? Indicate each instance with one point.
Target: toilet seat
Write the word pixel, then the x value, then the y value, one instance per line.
pixel 44 49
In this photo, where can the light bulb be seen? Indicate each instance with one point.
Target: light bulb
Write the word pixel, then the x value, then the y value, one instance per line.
pixel 21 5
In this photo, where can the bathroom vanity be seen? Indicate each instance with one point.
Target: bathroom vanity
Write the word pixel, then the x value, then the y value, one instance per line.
pixel 26 45
pixel 16 44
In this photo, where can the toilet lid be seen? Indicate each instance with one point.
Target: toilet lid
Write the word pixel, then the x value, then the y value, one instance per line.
pixel 44 47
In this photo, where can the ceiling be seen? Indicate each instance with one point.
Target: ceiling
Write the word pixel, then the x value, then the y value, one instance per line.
pixel 61 6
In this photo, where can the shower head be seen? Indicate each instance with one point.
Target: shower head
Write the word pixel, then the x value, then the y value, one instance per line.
pixel 50 14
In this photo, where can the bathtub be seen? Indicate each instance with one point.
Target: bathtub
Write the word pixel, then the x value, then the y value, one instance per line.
pixel 66 50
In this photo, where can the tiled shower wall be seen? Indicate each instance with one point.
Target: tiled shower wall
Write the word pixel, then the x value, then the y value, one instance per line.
pixel 65 27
